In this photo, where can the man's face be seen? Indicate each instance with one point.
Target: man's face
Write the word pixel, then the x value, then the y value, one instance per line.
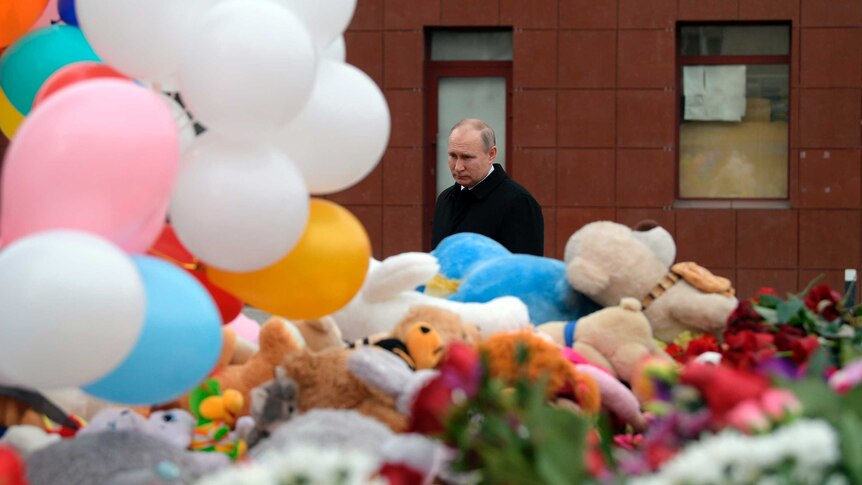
pixel 468 160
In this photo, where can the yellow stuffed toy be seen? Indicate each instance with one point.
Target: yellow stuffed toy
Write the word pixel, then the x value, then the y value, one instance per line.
pixel 420 337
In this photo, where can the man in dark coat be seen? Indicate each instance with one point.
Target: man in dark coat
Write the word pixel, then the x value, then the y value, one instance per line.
pixel 484 199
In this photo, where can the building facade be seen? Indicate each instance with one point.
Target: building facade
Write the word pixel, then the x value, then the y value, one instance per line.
pixel 605 111
pixel 600 110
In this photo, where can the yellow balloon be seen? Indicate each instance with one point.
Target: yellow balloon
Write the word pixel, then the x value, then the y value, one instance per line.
pixel 10 118
pixel 319 276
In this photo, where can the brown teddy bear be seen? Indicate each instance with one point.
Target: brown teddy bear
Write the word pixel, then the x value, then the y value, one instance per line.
pixel 615 338
pixel 322 378
pixel 324 381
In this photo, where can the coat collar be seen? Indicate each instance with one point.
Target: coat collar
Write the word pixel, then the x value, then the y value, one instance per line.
pixel 485 187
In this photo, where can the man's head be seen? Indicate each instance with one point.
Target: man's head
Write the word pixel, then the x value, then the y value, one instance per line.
pixel 472 150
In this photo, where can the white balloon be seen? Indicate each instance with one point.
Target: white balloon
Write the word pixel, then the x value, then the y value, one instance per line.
pixel 71 308
pixel 324 19
pixel 336 51
pixel 238 206
pixel 248 68
pixel 141 38
pixel 185 124
pixel 340 135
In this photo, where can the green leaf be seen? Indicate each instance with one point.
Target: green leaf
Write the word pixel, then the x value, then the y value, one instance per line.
pixel 769 301
pixel 502 466
pixel 559 438
pixel 850 431
pixel 606 440
pixel 811 284
pixel 768 314
pixel 818 363
pixel 848 352
pixel 788 309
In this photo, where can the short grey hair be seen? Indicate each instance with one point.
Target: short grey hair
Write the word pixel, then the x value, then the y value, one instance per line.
pixel 486 133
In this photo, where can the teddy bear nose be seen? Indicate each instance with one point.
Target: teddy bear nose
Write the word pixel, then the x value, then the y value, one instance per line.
pixel 424 329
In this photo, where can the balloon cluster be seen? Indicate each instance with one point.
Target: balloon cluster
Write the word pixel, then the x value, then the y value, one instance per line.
pixel 100 158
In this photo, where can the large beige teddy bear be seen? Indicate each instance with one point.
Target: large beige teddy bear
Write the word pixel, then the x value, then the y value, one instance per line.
pixel 615 338
pixel 608 261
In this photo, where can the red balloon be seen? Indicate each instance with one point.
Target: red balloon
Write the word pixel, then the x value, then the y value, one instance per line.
pixel 169 247
pixel 73 73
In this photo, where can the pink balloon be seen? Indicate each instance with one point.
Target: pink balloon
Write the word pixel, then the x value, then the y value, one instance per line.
pixel 98 156
pixel 50 14
pixel 245 327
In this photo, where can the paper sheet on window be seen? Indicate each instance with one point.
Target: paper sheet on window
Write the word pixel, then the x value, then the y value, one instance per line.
pixel 714 93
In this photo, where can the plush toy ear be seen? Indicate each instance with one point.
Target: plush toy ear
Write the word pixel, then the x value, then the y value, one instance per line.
pixel 587 277
pixel 402 272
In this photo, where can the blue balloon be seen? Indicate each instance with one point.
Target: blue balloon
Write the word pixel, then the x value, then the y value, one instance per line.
pixel 67 11
pixel 27 63
pixel 179 344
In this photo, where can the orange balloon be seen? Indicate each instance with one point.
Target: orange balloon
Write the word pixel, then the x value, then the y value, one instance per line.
pixel 322 273
pixel 16 18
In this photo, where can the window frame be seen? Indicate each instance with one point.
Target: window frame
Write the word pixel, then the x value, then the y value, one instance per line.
pixel 434 71
pixel 718 60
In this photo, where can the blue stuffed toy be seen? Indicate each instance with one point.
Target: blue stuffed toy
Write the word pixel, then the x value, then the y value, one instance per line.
pixel 476 269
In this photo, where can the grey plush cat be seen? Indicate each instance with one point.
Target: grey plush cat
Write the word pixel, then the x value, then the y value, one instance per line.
pixel 272 403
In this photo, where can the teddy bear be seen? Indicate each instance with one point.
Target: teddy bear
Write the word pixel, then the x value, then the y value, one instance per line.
pixel 475 268
pixel 614 338
pixel 422 335
pixel 323 380
pixel 608 261
pixel 390 290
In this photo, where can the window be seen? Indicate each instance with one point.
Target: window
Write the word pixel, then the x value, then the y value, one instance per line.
pixel 734 114
pixel 468 75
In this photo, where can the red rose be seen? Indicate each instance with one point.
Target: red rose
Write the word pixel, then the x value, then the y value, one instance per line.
pixel 461 368
pixel 746 349
pixel 822 299
pixel 803 348
pixel 723 387
pixel 658 454
pixel 430 407
pixel 675 351
pixel 400 474
pixel 744 317
pixel 765 290
pixel 706 343
pixel 786 335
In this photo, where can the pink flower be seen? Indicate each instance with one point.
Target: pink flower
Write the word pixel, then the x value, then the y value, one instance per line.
pixel 847 378
pixel 748 417
pixel 778 403
pixel 628 441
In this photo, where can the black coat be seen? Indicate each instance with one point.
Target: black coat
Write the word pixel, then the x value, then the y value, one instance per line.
pixel 498 208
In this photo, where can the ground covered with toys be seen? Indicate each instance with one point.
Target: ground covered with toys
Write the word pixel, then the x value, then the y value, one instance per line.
pixel 771 394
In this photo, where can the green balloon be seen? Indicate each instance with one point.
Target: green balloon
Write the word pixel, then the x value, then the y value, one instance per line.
pixel 27 63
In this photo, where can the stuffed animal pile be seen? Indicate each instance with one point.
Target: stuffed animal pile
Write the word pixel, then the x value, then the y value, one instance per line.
pixel 349 380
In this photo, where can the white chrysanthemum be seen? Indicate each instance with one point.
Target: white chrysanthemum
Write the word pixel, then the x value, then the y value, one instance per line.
pixel 730 458
pixel 246 474
pixel 300 464
pixel 318 466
